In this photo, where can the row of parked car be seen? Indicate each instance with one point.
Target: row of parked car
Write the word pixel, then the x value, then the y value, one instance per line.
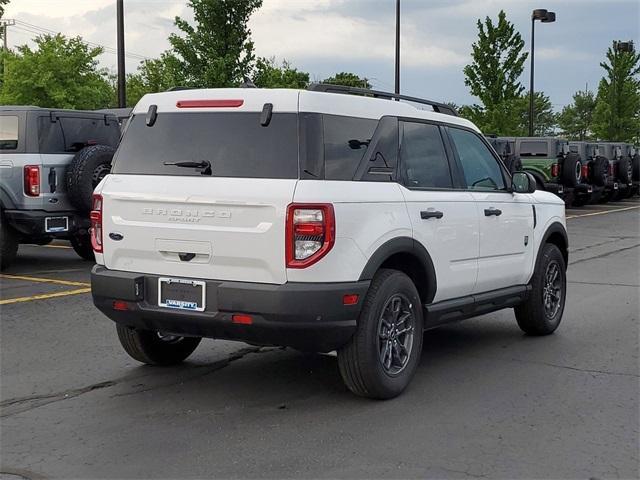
pixel 578 172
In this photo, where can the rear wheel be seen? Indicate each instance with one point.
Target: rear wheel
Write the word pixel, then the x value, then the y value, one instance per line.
pixel 156 348
pixel 542 312
pixel 9 242
pixel 381 358
pixel 82 246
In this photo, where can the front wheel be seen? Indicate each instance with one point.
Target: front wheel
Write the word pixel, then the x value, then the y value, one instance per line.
pixel 156 348
pixel 542 312
pixel 381 358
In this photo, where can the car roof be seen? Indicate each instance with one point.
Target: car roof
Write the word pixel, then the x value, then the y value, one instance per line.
pixel 293 101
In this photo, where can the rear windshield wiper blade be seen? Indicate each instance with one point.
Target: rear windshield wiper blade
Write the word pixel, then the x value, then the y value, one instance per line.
pixel 203 164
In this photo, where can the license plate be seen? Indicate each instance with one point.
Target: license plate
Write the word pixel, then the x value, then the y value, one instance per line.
pixel 56 224
pixel 182 294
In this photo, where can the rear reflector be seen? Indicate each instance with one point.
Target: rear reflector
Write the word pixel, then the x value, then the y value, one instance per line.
pixel 120 305
pixel 351 299
pixel 242 319
pixel 209 103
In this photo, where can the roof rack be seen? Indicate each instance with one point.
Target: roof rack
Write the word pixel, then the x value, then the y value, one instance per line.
pixel 328 88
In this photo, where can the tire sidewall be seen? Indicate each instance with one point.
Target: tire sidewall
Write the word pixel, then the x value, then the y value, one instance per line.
pixel 570 170
pixel 549 254
pixel 80 182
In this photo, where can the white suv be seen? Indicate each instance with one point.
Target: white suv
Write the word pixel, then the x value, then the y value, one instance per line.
pixel 321 220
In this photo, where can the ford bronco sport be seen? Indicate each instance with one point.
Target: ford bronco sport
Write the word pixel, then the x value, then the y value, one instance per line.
pixel 330 219
pixel 50 162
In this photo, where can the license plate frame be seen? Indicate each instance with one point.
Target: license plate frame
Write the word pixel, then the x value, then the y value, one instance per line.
pixel 57 228
pixel 188 301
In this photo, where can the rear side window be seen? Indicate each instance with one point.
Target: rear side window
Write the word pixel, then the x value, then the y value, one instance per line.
pixel 345 142
pixel 234 143
pixel 534 149
pixel 8 132
pixel 423 156
pixel 481 169
pixel 71 134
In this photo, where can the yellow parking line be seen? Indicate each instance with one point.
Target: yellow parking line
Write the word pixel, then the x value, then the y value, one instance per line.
pixel 603 213
pixel 49 246
pixel 45 280
pixel 44 296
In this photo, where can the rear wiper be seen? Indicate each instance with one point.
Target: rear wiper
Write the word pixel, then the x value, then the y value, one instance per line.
pixel 204 165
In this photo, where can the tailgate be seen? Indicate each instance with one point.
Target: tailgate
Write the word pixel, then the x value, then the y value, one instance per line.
pixel 215 228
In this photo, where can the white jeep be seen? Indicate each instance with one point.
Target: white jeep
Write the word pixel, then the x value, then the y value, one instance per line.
pixel 322 219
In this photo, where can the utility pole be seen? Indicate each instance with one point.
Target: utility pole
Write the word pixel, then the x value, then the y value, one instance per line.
pixel 122 82
pixel 4 24
pixel 545 17
pixel 397 47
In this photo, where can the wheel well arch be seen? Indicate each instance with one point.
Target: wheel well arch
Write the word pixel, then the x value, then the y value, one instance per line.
pixel 556 234
pixel 411 258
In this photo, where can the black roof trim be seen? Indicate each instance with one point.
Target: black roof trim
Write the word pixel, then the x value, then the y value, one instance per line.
pixel 328 88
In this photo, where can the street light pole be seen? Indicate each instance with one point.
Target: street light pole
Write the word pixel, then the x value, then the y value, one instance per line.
pixel 122 83
pixel 545 17
pixel 397 47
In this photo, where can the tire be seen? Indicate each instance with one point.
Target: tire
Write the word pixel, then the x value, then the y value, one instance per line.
pixel 82 246
pixel 9 243
pixel 536 316
pixel 571 170
pixel 360 362
pixel 635 162
pixel 625 170
pixel 600 171
pixel 579 202
pixel 149 347
pixel 85 171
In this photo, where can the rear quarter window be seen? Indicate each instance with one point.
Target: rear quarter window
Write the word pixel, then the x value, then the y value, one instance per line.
pixel 9 132
pixel 345 142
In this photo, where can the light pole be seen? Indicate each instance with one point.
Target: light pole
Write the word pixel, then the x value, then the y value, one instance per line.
pixel 545 17
pixel 397 47
pixel 122 82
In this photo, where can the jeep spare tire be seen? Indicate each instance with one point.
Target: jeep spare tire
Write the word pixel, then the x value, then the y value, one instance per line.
pixel 84 173
pixel 600 171
pixel 635 162
pixel 571 170
pixel 625 171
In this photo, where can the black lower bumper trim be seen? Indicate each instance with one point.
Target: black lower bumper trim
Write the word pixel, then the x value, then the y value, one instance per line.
pixel 31 223
pixel 307 316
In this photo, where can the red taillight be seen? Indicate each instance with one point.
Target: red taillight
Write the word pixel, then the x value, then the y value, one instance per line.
pixel 242 319
pixel 350 299
pixel 612 169
pixel 585 172
pixel 209 103
pixel 32 180
pixel 96 223
pixel 120 305
pixel 555 170
pixel 310 233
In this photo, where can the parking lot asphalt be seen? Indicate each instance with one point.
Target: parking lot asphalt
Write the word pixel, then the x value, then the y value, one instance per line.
pixel 486 401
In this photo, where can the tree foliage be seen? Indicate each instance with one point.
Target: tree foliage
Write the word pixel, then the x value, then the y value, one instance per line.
pixel 545 119
pixel 2 4
pixel 156 75
pixel 217 51
pixel 348 80
pixel 59 73
pixel 616 113
pixel 269 75
pixel 493 75
pixel 575 120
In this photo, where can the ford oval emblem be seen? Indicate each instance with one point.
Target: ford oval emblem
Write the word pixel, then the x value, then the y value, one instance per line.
pixel 116 236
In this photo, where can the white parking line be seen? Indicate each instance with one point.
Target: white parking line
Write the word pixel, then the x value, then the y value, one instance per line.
pixel 603 213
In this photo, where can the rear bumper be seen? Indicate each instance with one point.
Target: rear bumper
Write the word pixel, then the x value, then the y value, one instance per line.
pixel 307 316
pixel 556 188
pixel 31 223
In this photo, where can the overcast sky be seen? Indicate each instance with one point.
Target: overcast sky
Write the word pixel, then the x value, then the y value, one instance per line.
pixel 328 36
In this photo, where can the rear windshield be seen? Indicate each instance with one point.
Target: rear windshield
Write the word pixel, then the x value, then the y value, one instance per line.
pixel 533 149
pixel 8 132
pixel 235 145
pixel 72 134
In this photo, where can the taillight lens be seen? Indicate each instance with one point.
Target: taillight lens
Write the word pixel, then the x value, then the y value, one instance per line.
pixel 310 233
pixel 555 170
pixel 612 169
pixel 32 180
pixel 585 172
pixel 96 223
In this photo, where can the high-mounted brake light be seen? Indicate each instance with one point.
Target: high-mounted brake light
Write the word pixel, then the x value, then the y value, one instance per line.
pixel 32 180
pixel 310 233
pixel 555 170
pixel 210 103
pixel 96 223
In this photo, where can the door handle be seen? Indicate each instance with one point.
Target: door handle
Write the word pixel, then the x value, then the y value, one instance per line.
pixel 488 212
pixel 426 214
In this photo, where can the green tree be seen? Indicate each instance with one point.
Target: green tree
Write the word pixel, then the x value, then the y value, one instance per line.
pixel 156 75
pixel 616 113
pixel 348 80
pixel 2 4
pixel 59 73
pixel 545 119
pixel 217 51
pixel 575 120
pixel 493 75
pixel 269 75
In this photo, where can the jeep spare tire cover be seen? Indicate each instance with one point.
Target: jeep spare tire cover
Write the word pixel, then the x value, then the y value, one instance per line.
pixel 85 171
pixel 600 171
pixel 571 170
pixel 636 167
pixel 624 170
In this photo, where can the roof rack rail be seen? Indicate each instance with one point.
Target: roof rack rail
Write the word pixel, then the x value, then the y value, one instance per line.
pixel 329 88
pixel 179 88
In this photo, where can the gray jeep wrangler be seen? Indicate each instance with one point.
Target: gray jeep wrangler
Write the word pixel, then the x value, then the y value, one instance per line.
pixel 620 169
pixel 50 162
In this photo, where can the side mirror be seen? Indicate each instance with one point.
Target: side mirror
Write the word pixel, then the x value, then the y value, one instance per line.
pixel 523 182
